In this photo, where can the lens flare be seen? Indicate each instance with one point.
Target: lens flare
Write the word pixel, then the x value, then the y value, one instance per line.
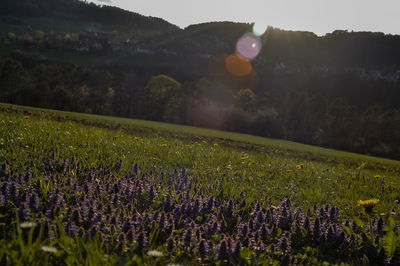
pixel 238 66
pixel 259 28
pixel 248 46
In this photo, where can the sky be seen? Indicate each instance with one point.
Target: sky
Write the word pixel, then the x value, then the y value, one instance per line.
pixel 318 16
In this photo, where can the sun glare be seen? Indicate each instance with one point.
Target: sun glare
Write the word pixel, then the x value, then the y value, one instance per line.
pixel 248 46
pixel 259 28
pixel 238 66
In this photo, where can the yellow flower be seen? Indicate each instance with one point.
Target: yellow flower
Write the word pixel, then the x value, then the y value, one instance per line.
pixel 229 167
pixel 368 204
pixel 216 144
pixel 300 166
pixel 377 176
pixel 163 145
pixel 138 138
pixel 26 117
pixel 204 142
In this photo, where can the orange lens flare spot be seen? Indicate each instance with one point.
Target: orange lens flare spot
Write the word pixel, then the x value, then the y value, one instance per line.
pixel 238 66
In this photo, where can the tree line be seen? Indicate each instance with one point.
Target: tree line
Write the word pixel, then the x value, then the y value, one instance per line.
pixel 338 110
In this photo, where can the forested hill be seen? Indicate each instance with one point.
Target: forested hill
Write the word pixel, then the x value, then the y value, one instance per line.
pixel 341 48
pixel 294 49
pixel 75 10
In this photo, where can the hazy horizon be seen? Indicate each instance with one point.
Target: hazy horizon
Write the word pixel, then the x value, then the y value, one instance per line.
pixel 318 16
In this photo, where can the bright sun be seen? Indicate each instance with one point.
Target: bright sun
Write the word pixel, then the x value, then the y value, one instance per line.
pixel 259 28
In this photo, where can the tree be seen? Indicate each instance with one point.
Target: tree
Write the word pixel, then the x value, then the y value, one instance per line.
pixel 11 36
pixel 245 99
pixel 14 78
pixel 342 124
pixel 115 33
pixel 161 89
pixel 38 34
pixel 62 98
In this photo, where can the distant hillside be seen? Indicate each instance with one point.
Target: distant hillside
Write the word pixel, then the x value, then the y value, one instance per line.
pixel 75 10
pixel 340 48
pixel 291 49
pixel 225 31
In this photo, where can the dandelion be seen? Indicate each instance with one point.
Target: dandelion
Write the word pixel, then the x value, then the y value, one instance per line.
pixel 368 204
pixel 163 145
pixel 138 138
pixel 204 142
pixel 229 167
pixel 216 144
pixel 49 249
pixel 26 225
pixel 377 176
pixel 26 117
pixel 300 166
pixel 155 253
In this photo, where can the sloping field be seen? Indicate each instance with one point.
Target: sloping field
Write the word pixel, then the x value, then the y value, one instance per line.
pixel 281 145
pixel 86 189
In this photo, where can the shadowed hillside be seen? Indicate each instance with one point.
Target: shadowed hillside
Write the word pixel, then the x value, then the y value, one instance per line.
pixel 75 10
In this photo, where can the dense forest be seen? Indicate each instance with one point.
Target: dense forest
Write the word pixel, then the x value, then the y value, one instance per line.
pixel 76 10
pixel 341 90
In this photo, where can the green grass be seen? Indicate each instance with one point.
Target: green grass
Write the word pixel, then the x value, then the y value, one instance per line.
pixel 302 150
pixel 264 168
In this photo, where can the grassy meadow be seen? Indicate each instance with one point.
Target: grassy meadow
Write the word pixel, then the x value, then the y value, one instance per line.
pixel 156 189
